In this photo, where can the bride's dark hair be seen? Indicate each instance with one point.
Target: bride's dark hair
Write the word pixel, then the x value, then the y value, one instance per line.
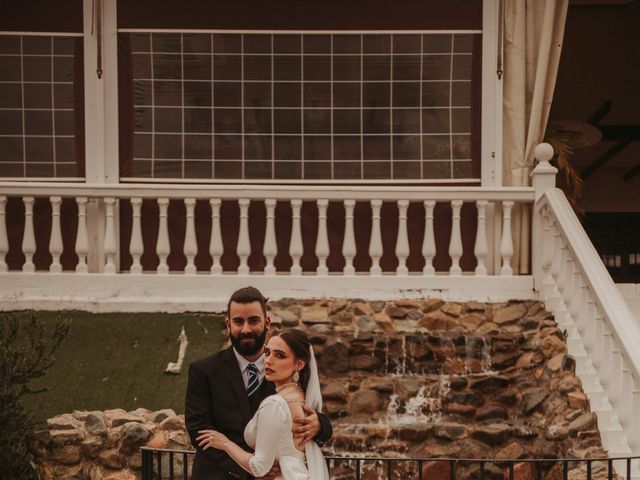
pixel 298 342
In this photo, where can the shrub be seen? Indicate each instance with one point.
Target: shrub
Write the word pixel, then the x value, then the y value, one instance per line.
pixel 27 350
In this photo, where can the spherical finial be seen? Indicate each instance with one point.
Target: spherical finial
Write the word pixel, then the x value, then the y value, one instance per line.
pixel 543 152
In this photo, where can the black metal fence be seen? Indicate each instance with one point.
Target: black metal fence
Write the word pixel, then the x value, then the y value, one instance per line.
pixel 161 464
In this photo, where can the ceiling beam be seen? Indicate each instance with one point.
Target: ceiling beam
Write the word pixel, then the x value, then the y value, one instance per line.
pixel 632 172
pixel 620 132
pixel 604 158
pixel 599 114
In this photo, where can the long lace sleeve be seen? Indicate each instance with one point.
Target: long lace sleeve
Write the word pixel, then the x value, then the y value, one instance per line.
pixel 273 422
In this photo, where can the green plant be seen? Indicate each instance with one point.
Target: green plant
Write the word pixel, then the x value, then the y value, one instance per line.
pixel 27 350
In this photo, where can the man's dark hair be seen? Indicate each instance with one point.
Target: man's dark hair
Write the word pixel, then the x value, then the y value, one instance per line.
pixel 248 295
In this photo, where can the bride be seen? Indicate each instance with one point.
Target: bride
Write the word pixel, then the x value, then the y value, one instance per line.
pixel 291 365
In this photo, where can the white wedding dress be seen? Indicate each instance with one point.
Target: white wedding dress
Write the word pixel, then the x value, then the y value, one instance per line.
pixel 269 434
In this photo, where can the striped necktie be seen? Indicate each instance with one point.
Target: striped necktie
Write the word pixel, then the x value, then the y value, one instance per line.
pixel 254 380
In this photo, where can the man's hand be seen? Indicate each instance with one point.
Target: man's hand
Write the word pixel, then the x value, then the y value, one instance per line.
pixel 307 427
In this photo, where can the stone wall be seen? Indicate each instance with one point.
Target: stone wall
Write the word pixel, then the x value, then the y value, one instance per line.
pixel 428 379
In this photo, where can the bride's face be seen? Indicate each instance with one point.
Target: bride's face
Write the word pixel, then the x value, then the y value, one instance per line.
pixel 279 362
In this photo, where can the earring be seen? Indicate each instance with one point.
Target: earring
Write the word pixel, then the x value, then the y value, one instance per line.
pixel 296 377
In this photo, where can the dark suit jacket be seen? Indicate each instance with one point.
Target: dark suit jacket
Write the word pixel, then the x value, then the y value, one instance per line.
pixel 217 399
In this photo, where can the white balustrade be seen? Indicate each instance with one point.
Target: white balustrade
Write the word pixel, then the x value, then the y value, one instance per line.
pixel 136 246
pixel 110 241
pixel 481 248
pixel 82 238
pixel 455 244
pixel 349 243
pixel 322 243
pixel 296 247
pixel 55 240
pixel 163 247
pixel 402 241
pixel 28 239
pixel 375 244
pixel 190 248
pixel 506 244
pixel 216 248
pixel 270 247
pixel 429 241
pixel 243 249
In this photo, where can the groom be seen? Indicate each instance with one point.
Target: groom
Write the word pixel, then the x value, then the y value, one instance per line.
pixel 226 388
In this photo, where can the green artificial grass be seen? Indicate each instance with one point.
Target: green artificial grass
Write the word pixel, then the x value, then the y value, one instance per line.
pixel 117 360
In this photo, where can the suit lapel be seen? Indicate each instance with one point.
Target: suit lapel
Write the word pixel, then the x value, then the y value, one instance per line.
pixel 235 377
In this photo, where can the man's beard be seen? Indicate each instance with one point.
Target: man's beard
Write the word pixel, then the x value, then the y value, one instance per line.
pixel 248 350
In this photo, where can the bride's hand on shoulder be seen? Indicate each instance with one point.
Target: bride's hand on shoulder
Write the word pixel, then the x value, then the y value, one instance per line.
pixel 307 427
pixel 212 439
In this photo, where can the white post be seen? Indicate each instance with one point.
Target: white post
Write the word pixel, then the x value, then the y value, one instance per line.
pixel 163 248
pixel 4 240
pixel 82 239
pixel 216 248
pixel 55 240
pixel 349 243
pixel 270 247
pixel 322 244
pixel 428 242
pixel 110 242
pixel 506 244
pixel 28 240
pixel 402 241
pixel 136 246
pixel 455 244
pixel 634 429
pixel 543 178
pixel 375 244
pixel 295 247
pixel 481 248
pixel 190 247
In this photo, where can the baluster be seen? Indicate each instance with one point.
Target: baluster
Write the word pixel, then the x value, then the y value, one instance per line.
pixel 455 244
pixel 243 249
pixel 428 242
pixel 606 344
pixel 82 239
pixel 136 246
pixel 615 387
pixel 626 399
pixel 295 247
pixel 322 244
pixel 375 244
pixel 546 253
pixel 506 244
pixel 4 240
pixel 481 249
pixel 190 248
pixel 55 240
pixel 270 247
pixel 28 240
pixel 110 245
pixel 402 241
pixel 163 248
pixel 349 244
pixel 634 428
pixel 215 244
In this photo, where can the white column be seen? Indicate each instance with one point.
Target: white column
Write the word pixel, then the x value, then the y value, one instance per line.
pixel 349 243
pixel 428 242
pixel 190 248
pixel 506 244
pixel 481 248
pixel 216 248
pixel 110 241
pixel 270 247
pixel 375 244
pixel 136 246
pixel 29 239
pixel 402 241
pixel 634 429
pixel 243 249
pixel 82 239
pixel 4 240
pixel 163 248
pixel 295 247
pixel 55 240
pixel 455 244
pixel 322 243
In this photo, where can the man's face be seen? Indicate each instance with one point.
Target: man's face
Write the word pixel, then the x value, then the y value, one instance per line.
pixel 247 327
